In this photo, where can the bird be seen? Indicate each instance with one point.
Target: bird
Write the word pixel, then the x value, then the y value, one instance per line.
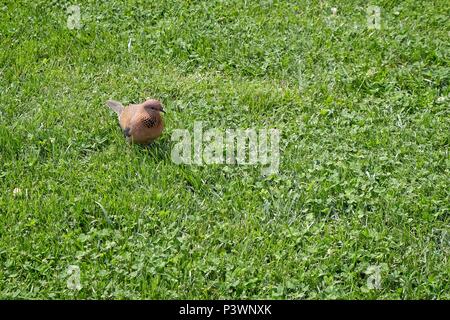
pixel 140 123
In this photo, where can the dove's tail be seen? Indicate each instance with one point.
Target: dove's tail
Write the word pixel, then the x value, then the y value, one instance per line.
pixel 116 106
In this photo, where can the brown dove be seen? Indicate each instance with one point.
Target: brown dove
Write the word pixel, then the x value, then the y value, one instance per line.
pixel 140 123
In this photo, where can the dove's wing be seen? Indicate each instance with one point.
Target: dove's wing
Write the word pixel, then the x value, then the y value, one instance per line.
pixel 116 106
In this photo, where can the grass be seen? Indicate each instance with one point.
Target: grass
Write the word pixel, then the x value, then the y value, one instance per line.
pixel 364 167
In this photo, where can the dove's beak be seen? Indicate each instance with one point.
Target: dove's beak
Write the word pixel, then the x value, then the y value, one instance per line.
pixel 163 111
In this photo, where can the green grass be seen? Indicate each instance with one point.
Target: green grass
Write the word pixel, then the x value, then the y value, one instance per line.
pixel 364 169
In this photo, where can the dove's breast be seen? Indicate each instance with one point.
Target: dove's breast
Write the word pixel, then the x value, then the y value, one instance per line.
pixel 142 127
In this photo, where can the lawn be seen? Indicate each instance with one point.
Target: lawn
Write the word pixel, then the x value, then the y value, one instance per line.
pixel 359 208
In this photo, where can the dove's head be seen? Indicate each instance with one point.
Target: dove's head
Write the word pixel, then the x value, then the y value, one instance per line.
pixel 153 105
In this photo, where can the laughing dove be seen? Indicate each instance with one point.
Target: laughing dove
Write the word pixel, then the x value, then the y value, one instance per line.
pixel 141 123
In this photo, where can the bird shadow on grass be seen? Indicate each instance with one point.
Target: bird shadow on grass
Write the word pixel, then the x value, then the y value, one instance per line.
pixel 158 150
